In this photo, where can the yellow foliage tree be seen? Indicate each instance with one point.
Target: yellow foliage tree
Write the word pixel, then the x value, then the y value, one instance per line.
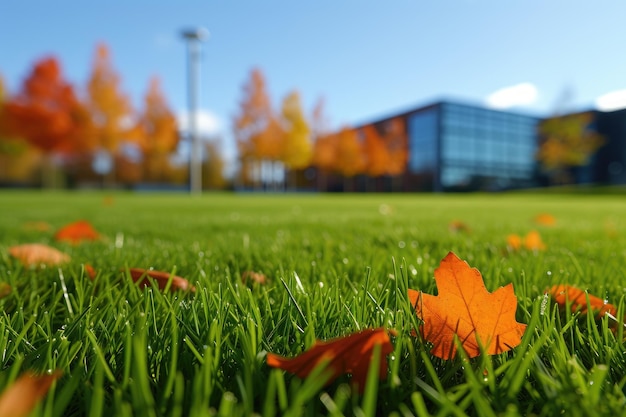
pixel 566 142
pixel 298 148
pixel 110 109
pixel 18 160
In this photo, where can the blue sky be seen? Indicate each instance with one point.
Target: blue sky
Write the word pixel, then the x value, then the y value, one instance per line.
pixel 367 59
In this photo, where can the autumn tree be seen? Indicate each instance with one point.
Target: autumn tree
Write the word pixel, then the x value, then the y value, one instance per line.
pixel 350 157
pixel 213 166
pixel 396 141
pixel 47 114
pixel 324 152
pixel 158 137
pixel 297 148
pixel 251 125
pixel 566 142
pixel 375 152
pixel 18 159
pixel 110 109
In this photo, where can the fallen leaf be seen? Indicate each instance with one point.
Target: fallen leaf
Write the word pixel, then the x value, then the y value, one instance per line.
pixel 350 354
pixel 514 242
pixel 37 226
pixel 577 299
pixel 5 289
pixel 35 254
pixel 90 271
pixel 465 309
pixel 545 219
pixel 77 232
pixel 253 277
pixel 22 396
pixel 162 278
pixel 457 226
pixel 532 241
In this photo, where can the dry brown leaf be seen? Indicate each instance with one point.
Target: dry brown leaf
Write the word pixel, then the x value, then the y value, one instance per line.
pixel 162 278
pixel 22 396
pixel 36 254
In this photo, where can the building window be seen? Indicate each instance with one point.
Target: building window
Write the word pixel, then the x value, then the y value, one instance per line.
pixel 423 135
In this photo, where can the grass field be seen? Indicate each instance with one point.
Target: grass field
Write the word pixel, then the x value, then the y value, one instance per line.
pixel 335 264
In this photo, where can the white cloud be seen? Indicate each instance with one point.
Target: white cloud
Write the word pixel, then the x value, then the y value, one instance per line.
pixel 515 95
pixel 207 123
pixel 613 100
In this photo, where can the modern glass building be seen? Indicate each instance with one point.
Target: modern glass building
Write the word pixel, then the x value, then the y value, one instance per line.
pixel 457 147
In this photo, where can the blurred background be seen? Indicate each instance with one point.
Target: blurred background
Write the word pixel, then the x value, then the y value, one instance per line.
pixel 453 95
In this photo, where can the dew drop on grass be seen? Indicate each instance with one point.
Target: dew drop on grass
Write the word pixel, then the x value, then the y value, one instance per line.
pixel 345 261
pixel 419 260
pixel 119 240
pixel 549 272
pixel 544 303
pixel 401 244
pixel 246 241
pixel 321 284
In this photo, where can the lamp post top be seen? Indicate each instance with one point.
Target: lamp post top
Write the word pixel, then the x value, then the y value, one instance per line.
pixel 199 34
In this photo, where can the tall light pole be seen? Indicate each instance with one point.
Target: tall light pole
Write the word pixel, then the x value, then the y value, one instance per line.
pixel 194 37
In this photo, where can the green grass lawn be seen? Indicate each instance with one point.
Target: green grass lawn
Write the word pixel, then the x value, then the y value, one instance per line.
pixel 335 264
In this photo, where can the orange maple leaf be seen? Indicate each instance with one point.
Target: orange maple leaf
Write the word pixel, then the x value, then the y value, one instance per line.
pixel 22 396
pixel 577 298
pixel 37 226
pixel 532 241
pixel 5 289
pixel 465 309
pixel 457 226
pixel 35 254
pixel 514 242
pixel 349 354
pixel 162 278
pixel 545 219
pixel 253 277
pixel 90 271
pixel 76 232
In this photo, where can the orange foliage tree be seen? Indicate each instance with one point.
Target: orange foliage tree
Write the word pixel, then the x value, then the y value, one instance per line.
pixel 397 148
pixel 324 144
pixel 158 134
pixel 46 112
pixel 350 158
pixel 251 126
pixel 375 152
pixel 213 166
pixel 18 159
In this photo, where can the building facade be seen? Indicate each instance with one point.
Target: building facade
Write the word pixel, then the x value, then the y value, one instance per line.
pixel 461 147
pixel 608 164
